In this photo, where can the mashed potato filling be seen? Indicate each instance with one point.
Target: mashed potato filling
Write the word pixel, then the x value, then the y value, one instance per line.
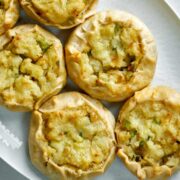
pixel 77 137
pixel 29 68
pixel 4 5
pixel 150 135
pixel 59 11
pixel 112 54
pixel 2 14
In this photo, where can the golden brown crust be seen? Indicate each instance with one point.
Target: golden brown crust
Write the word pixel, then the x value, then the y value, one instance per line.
pixel 104 89
pixel 9 12
pixel 28 80
pixel 80 18
pixel 170 100
pixel 37 143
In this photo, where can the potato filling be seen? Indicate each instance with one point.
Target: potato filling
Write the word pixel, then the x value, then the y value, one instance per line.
pixel 60 11
pixel 111 56
pixel 77 137
pixel 150 135
pixel 4 5
pixel 29 68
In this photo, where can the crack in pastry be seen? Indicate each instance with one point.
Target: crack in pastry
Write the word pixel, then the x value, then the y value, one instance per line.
pixel 9 14
pixel 74 135
pixel 64 14
pixel 31 67
pixel 148 133
pixel 111 56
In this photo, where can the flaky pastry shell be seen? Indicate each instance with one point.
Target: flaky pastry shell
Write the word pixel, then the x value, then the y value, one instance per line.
pixel 72 137
pixel 147 132
pixel 111 55
pixel 62 14
pixel 32 67
pixel 9 14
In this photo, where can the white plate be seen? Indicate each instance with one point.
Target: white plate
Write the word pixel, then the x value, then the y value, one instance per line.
pixel 166 29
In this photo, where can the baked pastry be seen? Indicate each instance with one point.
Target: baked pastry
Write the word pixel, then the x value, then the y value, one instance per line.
pixel 72 137
pixel 31 68
pixel 111 55
pixel 9 14
pixel 59 13
pixel 148 133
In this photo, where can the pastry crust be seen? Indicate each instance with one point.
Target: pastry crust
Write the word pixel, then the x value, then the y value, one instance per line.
pixel 147 132
pixel 111 55
pixel 62 14
pixel 32 67
pixel 9 14
pixel 72 137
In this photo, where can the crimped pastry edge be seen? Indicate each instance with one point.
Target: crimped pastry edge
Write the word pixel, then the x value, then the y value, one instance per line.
pixel 37 149
pixel 146 68
pixel 5 38
pixel 31 12
pixel 160 93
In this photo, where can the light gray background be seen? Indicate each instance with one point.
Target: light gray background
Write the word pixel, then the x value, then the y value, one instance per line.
pixel 8 173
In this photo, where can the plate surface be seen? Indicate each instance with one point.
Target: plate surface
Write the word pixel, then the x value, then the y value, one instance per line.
pixel 165 27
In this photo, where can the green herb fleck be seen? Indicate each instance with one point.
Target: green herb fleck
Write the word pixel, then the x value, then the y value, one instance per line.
pixel 133 133
pixel 129 75
pixel 81 134
pixel 141 143
pixel 44 45
pixel 148 138
pixel 16 75
pixel 116 28
pixel 126 124
pixel 156 121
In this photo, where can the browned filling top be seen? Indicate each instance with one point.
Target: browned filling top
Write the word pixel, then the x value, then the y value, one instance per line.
pixel 77 137
pixel 149 135
pixel 60 11
pixel 111 55
pixel 29 68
